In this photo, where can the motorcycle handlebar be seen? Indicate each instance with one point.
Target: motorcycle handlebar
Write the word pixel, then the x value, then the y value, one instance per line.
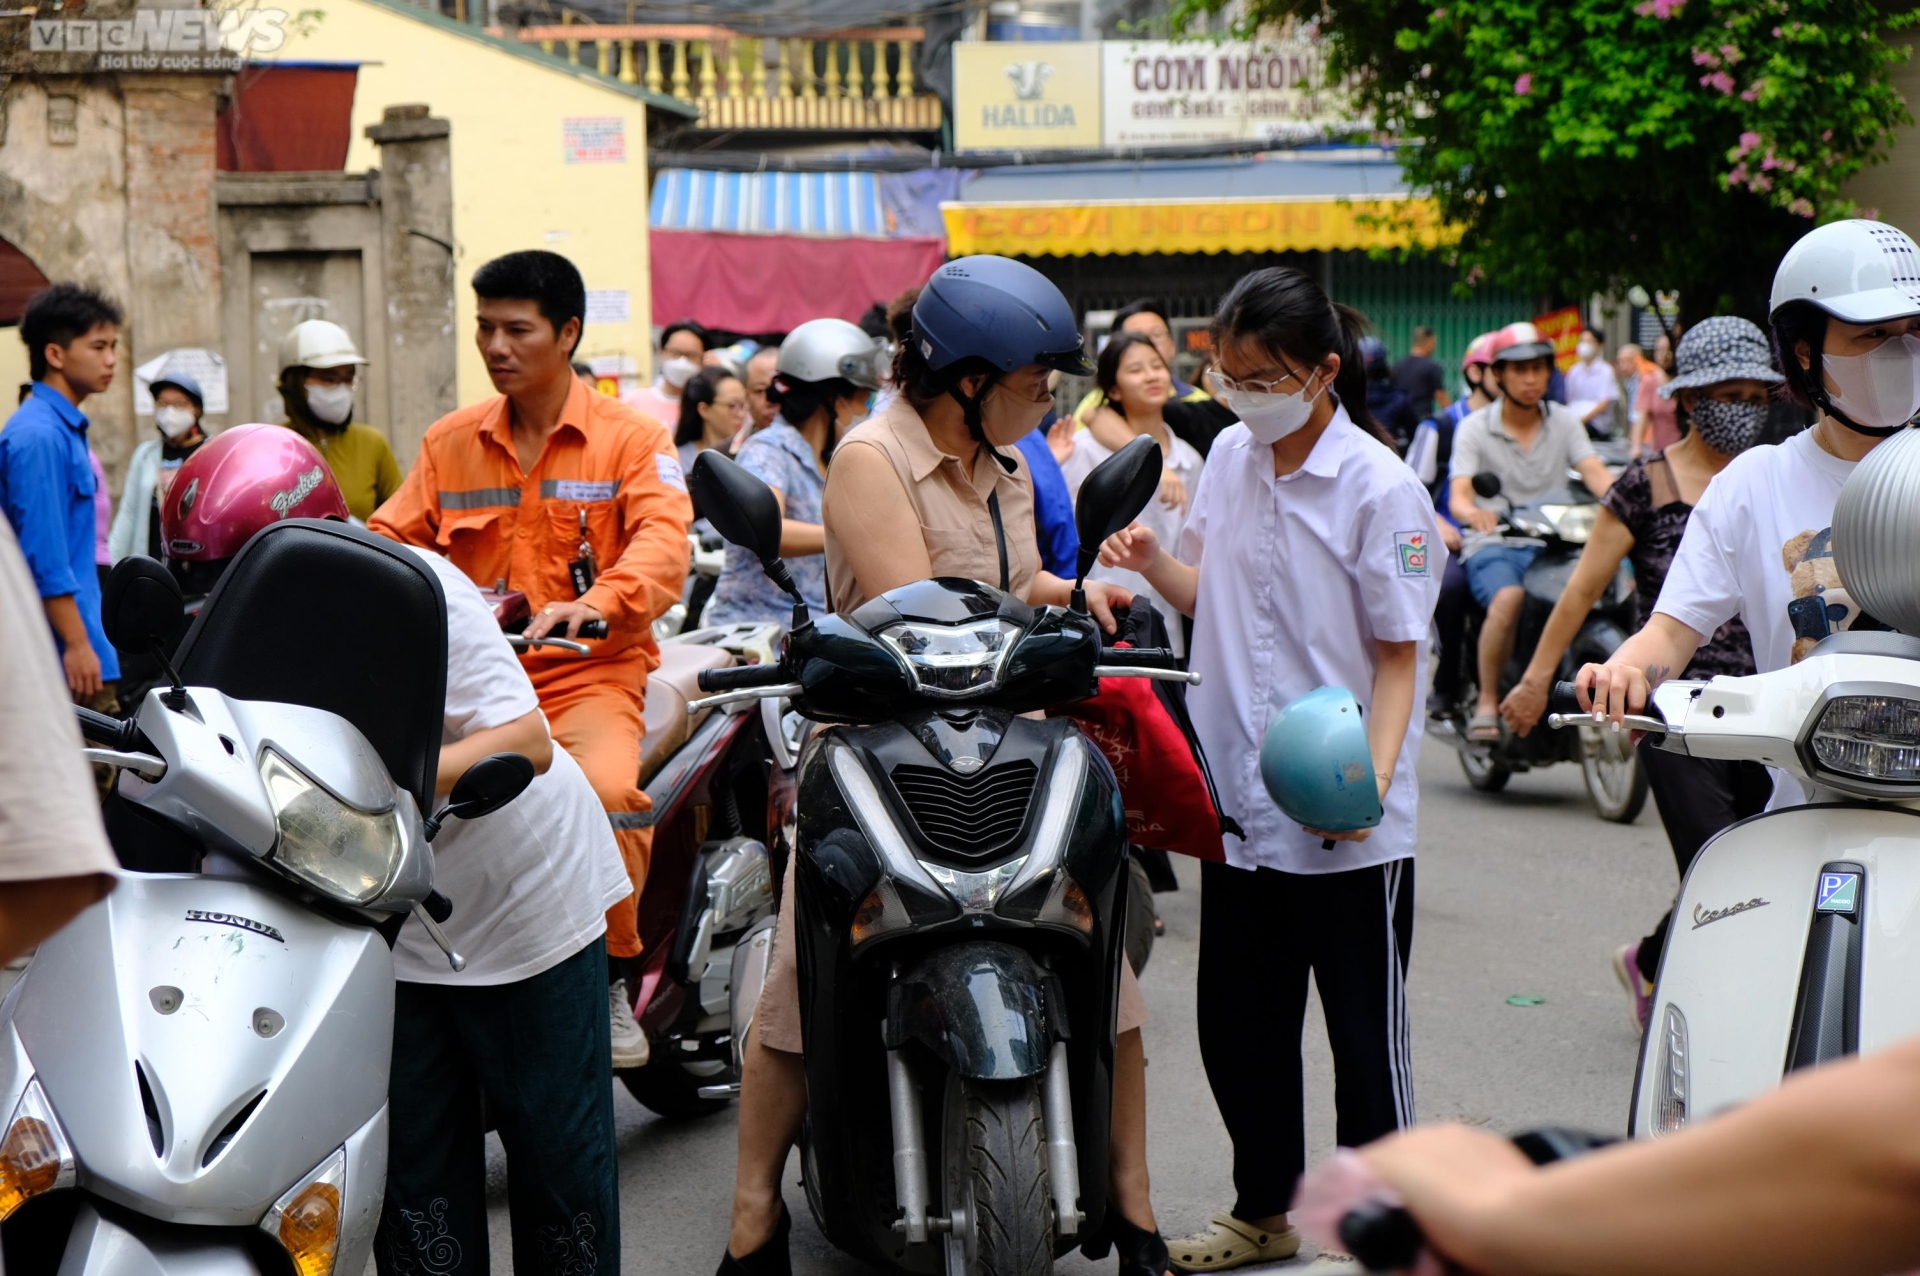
pixel 1139 658
pixel 742 677
pixel 438 906
pixel 1386 1238
pixel 112 732
pixel 1563 699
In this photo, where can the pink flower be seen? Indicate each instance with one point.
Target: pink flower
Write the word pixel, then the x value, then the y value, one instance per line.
pixel 1661 9
pixel 1801 207
pixel 1730 53
pixel 1475 276
pixel 1827 136
pixel 1438 14
pixel 1776 33
pixel 1719 80
pixel 1769 163
pixel 1524 85
pixel 1737 175
pixel 1748 141
pixel 1761 183
pixel 1703 57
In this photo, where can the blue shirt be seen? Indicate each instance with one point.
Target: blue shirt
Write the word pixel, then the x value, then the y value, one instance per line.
pixel 780 457
pixel 1052 505
pixel 46 492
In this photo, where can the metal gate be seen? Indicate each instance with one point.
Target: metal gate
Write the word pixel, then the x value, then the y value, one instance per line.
pixel 1398 296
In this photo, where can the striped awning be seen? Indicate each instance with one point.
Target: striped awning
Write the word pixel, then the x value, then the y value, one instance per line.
pixel 832 205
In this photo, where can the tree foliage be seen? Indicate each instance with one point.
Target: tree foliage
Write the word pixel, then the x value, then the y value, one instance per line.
pixel 1589 145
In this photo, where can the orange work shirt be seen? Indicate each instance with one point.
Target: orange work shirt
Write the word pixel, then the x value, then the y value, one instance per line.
pixel 468 499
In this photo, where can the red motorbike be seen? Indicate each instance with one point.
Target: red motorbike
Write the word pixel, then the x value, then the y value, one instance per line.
pixel 722 784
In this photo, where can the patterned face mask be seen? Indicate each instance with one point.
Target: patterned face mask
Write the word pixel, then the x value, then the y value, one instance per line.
pixel 1728 428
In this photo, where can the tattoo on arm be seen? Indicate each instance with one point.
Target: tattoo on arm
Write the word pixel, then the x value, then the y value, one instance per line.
pixel 1657 674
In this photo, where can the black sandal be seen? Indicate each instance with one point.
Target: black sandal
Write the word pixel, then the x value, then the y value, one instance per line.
pixel 771 1259
pixel 1141 1253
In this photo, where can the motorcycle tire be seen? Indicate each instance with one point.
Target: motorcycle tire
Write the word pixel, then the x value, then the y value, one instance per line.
pixel 1141 916
pixel 995 1175
pixel 1485 776
pixel 667 1089
pixel 1616 782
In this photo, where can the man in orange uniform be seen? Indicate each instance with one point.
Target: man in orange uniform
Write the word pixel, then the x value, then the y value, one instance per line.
pixel 576 500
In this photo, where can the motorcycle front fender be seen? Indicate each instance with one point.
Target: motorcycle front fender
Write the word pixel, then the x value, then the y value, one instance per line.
pixel 102 1246
pixel 983 1008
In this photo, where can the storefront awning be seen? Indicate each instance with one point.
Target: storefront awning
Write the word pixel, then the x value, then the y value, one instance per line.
pixel 841 205
pixel 1306 202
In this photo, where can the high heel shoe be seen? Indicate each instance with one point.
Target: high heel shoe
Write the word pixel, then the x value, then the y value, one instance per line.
pixel 773 1258
pixel 1141 1253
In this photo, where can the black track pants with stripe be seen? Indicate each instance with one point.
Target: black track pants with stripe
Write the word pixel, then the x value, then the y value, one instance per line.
pixel 1261 932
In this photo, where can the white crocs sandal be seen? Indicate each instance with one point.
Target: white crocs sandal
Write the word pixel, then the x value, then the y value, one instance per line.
pixel 1229 1242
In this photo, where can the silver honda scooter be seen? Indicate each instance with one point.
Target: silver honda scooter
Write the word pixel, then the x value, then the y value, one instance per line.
pixel 194 1071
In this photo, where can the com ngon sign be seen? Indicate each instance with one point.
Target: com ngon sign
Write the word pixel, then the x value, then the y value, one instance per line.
pixel 1159 93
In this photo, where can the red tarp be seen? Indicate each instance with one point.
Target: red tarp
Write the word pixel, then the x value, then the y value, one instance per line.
pixel 775 283
pixel 288 119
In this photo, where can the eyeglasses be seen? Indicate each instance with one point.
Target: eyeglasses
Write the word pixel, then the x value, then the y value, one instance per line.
pixel 1225 384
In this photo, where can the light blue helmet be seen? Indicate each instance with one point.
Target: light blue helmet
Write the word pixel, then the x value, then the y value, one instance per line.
pixel 1316 764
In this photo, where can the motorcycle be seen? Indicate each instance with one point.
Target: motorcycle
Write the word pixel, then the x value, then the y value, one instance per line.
pixel 961 888
pixel 723 801
pixel 195 1069
pixel 1771 965
pixel 1559 525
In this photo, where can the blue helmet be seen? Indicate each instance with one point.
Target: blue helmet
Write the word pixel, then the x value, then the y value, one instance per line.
pixel 184 382
pixel 1316 764
pixel 999 310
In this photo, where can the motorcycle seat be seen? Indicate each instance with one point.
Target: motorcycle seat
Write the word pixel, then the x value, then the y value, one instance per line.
pixel 669 689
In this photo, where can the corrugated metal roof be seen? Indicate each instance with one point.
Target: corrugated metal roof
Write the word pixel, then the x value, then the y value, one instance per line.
pixel 1297 175
pixel 836 205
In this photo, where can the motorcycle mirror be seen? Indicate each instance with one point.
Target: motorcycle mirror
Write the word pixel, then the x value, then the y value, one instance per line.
pixel 1113 495
pixel 746 513
pixel 142 609
pixel 484 788
pixel 1486 484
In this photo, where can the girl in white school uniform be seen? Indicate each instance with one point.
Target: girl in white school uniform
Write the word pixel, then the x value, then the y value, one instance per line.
pixel 1310 558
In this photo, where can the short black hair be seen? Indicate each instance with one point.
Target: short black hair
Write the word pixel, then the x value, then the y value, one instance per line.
pixel 686 325
pixel 1423 333
pixel 547 279
pixel 1795 322
pixel 59 316
pixel 1141 306
pixel 1599 340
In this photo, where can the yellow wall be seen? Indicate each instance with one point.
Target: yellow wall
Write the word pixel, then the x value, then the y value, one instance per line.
pixel 1891 191
pixel 512 186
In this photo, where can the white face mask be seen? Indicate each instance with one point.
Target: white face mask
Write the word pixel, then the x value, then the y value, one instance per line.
pixel 678 370
pixel 330 403
pixel 1587 351
pixel 1880 389
pixel 173 422
pixel 1271 417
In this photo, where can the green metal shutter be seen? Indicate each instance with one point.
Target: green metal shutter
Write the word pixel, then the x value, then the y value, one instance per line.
pixel 1397 296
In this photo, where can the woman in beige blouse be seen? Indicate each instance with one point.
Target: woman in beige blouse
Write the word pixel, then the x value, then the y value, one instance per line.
pixel 930 486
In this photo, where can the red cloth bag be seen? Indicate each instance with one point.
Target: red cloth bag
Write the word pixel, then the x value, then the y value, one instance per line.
pixel 1142 728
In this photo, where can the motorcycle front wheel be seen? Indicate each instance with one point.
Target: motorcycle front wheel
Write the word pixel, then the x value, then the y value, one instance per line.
pixel 669 1088
pixel 1615 779
pixel 995 1175
pixel 1483 773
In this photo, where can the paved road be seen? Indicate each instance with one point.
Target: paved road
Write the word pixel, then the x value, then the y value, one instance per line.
pixel 1523 893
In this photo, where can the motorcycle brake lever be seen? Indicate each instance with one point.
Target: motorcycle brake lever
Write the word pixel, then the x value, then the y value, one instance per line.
pixel 565 644
pixel 1632 722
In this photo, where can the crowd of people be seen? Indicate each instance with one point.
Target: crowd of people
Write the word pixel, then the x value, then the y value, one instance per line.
pixel 1320 508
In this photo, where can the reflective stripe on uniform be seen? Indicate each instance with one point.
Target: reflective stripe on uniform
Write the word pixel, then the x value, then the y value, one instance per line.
pixel 479 498
pixel 630 820
pixel 576 490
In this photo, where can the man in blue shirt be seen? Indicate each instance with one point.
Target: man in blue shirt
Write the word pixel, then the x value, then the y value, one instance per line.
pixel 46 478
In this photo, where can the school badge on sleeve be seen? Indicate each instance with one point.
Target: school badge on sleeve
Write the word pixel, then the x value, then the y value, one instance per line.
pixel 1412 548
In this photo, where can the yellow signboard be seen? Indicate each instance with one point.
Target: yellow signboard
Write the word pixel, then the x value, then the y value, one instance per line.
pixel 1010 96
pixel 1214 226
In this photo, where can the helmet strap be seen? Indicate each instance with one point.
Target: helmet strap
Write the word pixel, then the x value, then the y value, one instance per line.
pixel 970 413
pixel 1817 391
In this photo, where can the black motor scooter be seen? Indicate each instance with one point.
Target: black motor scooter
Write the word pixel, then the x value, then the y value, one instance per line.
pixel 960 900
pixel 1608 763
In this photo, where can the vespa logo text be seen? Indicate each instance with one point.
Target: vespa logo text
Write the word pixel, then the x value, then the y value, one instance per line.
pixel 237 922
pixel 1703 916
pixel 304 487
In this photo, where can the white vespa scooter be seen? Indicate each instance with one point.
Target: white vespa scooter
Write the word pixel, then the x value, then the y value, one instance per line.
pixel 194 1072
pixel 1796 937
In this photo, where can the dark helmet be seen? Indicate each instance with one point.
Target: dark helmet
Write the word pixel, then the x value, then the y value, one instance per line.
pixel 999 310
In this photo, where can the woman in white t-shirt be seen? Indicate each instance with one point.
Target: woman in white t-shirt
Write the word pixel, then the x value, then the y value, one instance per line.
pixel 1311 557
pixel 1136 383
pixel 1846 331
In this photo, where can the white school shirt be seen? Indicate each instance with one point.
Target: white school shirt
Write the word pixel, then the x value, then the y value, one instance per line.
pixel 1166 521
pixel 530 884
pixel 1761 538
pixel 1299 577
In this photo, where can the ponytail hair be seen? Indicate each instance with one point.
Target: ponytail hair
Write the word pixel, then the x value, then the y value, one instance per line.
pixel 1287 313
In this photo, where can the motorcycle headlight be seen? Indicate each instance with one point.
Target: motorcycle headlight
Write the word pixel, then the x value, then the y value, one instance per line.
pixel 1572 523
pixel 949 661
pixel 346 854
pixel 34 1155
pixel 306 1219
pixel 1869 737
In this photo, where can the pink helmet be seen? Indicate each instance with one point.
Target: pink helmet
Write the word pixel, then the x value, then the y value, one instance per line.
pixel 1479 351
pixel 238 482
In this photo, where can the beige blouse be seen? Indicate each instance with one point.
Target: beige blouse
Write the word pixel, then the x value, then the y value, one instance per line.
pixel 956 521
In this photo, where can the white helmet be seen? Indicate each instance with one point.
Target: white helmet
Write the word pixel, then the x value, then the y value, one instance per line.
pixel 318 344
pixel 1857 271
pixel 822 349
